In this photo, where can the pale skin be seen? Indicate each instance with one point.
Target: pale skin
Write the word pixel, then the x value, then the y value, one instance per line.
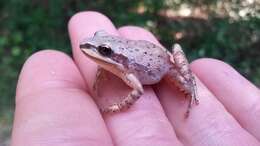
pixel 137 63
pixel 54 105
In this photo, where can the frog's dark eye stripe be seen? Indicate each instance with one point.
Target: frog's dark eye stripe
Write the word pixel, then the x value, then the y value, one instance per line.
pixel 105 50
pixel 86 46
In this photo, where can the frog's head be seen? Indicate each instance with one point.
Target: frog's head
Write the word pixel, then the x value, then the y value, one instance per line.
pixel 101 49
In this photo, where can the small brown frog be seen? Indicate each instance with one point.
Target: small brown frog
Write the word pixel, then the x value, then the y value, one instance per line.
pixel 138 63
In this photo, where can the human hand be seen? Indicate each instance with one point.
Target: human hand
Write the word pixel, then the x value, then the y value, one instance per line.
pixel 54 107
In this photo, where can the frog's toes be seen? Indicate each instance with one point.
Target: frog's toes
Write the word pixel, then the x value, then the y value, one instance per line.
pixel 112 109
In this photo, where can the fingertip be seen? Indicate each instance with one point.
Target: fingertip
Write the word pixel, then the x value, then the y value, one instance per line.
pixel 209 62
pixel 51 102
pixel 83 25
pixel 86 23
pixel 44 67
pixel 137 33
pixel 206 68
pixel 86 14
pixel 41 57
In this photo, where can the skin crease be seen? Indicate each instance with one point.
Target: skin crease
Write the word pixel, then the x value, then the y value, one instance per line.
pixel 67 115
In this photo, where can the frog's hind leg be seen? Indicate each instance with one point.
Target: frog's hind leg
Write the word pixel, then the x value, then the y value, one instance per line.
pixel 181 75
pixel 133 96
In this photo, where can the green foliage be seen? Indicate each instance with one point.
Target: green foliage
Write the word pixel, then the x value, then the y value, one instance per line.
pixel 29 26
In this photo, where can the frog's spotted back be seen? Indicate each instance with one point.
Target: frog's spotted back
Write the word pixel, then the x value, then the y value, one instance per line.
pixel 146 60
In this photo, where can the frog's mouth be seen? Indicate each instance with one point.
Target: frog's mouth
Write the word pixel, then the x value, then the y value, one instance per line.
pixel 94 55
pixel 91 52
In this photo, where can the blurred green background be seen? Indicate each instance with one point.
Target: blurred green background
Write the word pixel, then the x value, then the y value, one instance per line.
pixel 222 29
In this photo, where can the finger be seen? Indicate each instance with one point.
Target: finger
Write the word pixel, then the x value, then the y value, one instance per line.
pixel 208 124
pixel 81 26
pixel 52 107
pixel 240 97
pixel 84 25
pixel 145 122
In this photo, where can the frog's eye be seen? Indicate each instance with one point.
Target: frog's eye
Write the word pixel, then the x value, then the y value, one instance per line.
pixel 105 50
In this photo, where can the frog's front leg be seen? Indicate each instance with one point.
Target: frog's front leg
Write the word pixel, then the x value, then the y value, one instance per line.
pixel 132 81
pixel 181 75
pixel 100 75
